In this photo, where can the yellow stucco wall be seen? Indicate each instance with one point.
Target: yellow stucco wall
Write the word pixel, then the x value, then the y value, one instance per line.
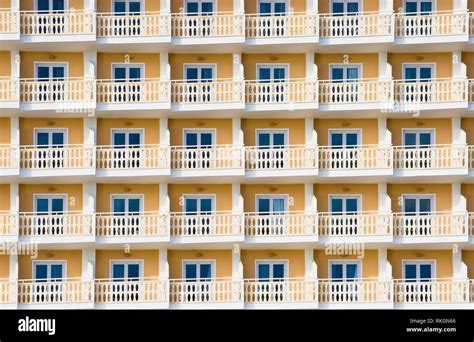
pixel 223 193
pixel 442 194
pixel 5 136
pixel 368 128
pixel 73 192
pixel 250 191
pixel 151 128
pixel 73 262
pixel 295 260
pixel 148 257
pixel 5 61
pixel 369 263
pixel 4 197
pixel 442 60
pixel 4 266
pixel 222 261
pixel 369 63
pixel 75 129
pixel 467 190
pixel 150 192
pixel 367 192
pixel 75 62
pixel 444 263
pixel 295 128
pixel 222 127
pixel 223 62
pixel 467 125
pixel 442 129
pixel 468 258
pixel 105 60
pixel 296 62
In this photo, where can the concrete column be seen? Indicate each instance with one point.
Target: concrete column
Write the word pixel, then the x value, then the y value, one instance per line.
pixel 458 134
pixel 88 197
pixel 15 64
pixel 458 201
pixel 90 129
pixel 164 132
pixel 90 65
pixel 164 199
pixel 459 267
pixel 163 267
pixel 459 68
pixel 15 4
pixel 384 134
pixel 237 67
pixel 238 7
pixel 311 136
pixel 384 201
pixel 311 68
pixel 310 202
pixel 460 5
pixel 237 199
pixel 165 70
pixel 385 69
pixel 15 131
pixel 88 263
pixel 386 6
pixel 237 267
pixel 237 133
pixel 312 6
pixel 385 268
pixel 14 198
pixel 310 267
pixel 90 5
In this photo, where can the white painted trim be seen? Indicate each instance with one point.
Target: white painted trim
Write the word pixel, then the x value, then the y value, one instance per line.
pixel 140 262
pixel 214 5
pixel 285 131
pixel 345 131
pixel 419 65
pixel 433 4
pixel 127 131
pixel 198 262
pixel 418 131
pixel 418 262
pixel 285 262
pixel 127 66
pixel 345 262
pixel 272 66
pixel 65 64
pixel 50 196
pixel 199 66
pixel 213 131
pixel 142 5
pixel 272 196
pixel 50 130
pixel 203 196
pixel 361 5
pixel 35 4
pixel 49 262
pixel 417 196
pixel 345 66
pixel 287 5
pixel 141 197
pixel 358 196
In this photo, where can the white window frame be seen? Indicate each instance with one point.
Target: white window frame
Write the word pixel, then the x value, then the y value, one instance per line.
pixel 272 66
pixel 212 197
pixel 50 131
pixel 285 262
pixel 38 64
pixel 285 131
pixel 332 262
pixel 285 197
pixel 418 66
pixel 214 5
pixel 127 131
pixel 112 3
pixel 49 263
pixel 346 66
pixel 360 2
pixel 432 197
pixel 432 262
pixel 113 262
pixel 127 66
pixel 141 197
pixel 198 263
pixel 433 5
pixel 199 66
pixel 287 5
pixel 50 197
pixel 340 196
pixel 358 131
pixel 417 131
pixel 66 5
pixel 199 131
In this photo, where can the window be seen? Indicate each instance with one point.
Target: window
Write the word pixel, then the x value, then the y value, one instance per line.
pixel 272 7
pixel 127 210
pixel 50 148
pixel 127 138
pixel 272 74
pixel 344 7
pixel 418 72
pixel 418 275
pixel 127 78
pixel 269 204
pixel 127 72
pixel 50 137
pixel 197 76
pixel 417 7
pixel 127 145
pixel 418 270
pixel 417 219
pixel 199 73
pixel 198 276
pixel 198 153
pixel 199 7
pixel 272 138
pixel 344 210
pixel 272 27
pixel 271 210
pixel 344 270
pixel 126 270
pixel 343 154
pixel 49 24
pixel 271 153
pixel 271 275
pixel 50 204
pixel 48 271
pixel 418 138
pixel 122 7
pixel 344 205
pixel 345 73
pixel 125 276
pixel 418 145
pixel 344 285
pixel 50 77
pixel 421 76
pixel 272 270
pixel 418 205
pixel 344 138
pixel 198 270
pixel 198 210
pixel 348 75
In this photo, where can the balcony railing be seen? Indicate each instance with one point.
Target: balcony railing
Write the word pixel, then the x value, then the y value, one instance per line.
pixel 202 291
pixel 142 290
pixel 471 87
pixel 355 291
pixel 430 157
pixel 471 24
pixel 68 90
pixel 207 158
pixel 471 224
pixel 212 224
pixel 472 290
pixel 288 290
pixel 445 23
pixel 289 25
pixel 145 157
pixel 212 25
pixel 357 91
pixel 144 224
pixel 9 157
pixel 287 224
pixel 435 224
pixel 364 157
pixel 61 291
pixel 289 91
pixel 292 157
pixel 432 291
pixel 9 21
pixel 8 291
pixel 430 91
pixel 8 224
pixel 148 24
pixel 60 157
pixel 151 90
pixel 50 225
pixel 360 224
pixel 368 24
pixel 60 23
pixel 8 88
pixel 212 92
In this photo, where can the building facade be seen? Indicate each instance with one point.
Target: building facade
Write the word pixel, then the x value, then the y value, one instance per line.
pixel 236 154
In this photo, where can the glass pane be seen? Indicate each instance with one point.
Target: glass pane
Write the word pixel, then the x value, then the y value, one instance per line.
pixel 352 7
pixel 279 73
pixel 337 7
pixel 352 139
pixel 265 8
pixel 425 139
pixel 206 74
pixel 135 73
pixel 263 205
pixel 206 205
pixel 351 205
pixel 41 271
pixel 191 74
pixel 58 138
pixel 410 139
pixel 118 271
pixel 425 205
pixel 279 139
pixel 42 205
pixel 119 139
pixel 58 5
pixel 336 205
pixel 351 271
pixel 119 7
pixel 352 73
pixel 263 139
pixel 206 139
pixel 191 139
pixel 206 7
pixel 133 271
pixel 135 7
pixel 134 139
pixel 120 73
pixel 426 6
pixel 133 205
pixel 278 205
pixel 425 271
pixel 56 271
pixel 280 7
pixel 57 205
pixel 191 205
pixel 192 7
pixel 425 73
pixel 263 271
pixel 42 139
pixel 411 7
pixel 58 73
pixel 410 74
pixel 410 271
pixel 119 205
pixel 337 74
pixel 336 271
pixel 409 205
pixel 278 271
pixel 264 74
pixel 42 5
pixel 190 271
pixel 205 271
pixel 336 139
pixel 42 72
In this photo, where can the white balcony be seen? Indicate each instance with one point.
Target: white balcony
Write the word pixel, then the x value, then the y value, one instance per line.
pixel 357 161
pixel 9 92
pixel 432 160
pixel 143 227
pixel 217 160
pixel 436 27
pixel 288 293
pixel 212 28
pixel 291 160
pixel 433 293
pixel 360 227
pixel 142 293
pixel 471 91
pixel 293 94
pixel 290 28
pixel 9 160
pixel 144 160
pixel 361 28
pixel 281 227
pixel 69 26
pixel 136 28
pixel 356 294
pixel 435 94
pixel 365 94
pixel 8 293
pixel 471 27
pixel 70 227
pixel 9 24
pixel 8 227
pixel 215 293
pixel 435 227
pixel 72 95
pixel 146 94
pixel 212 227
pixel 67 160
pixel 471 228
pixel 220 94
pixel 70 293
